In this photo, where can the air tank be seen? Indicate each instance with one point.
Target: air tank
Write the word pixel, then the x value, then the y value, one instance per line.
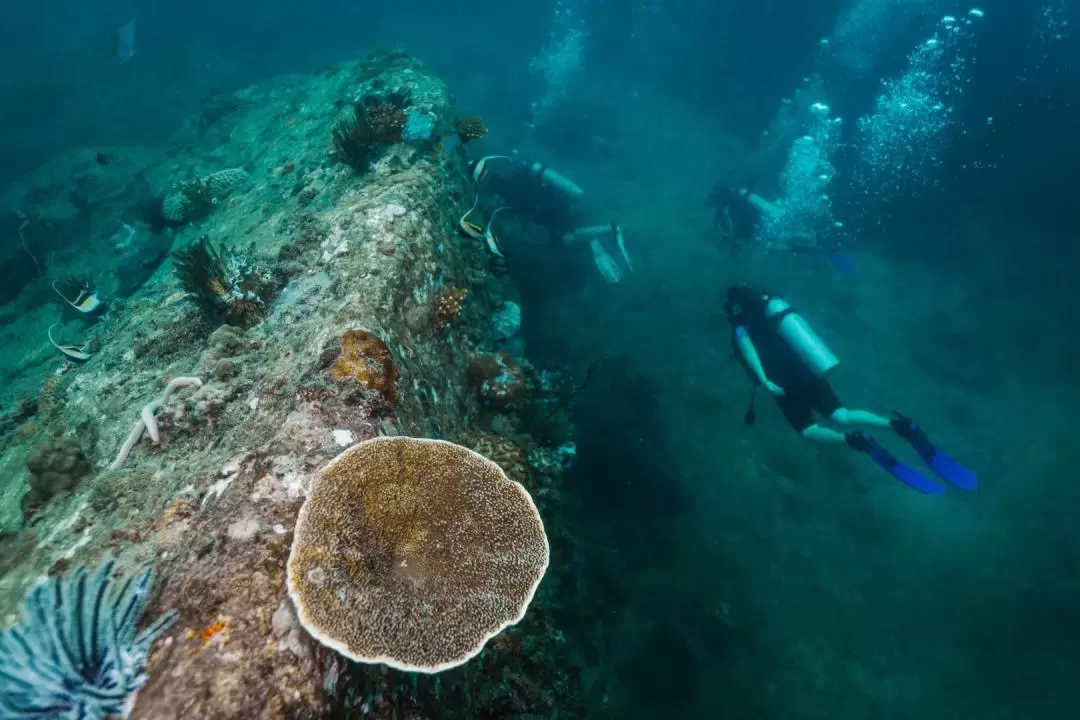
pixel 798 334
pixel 558 181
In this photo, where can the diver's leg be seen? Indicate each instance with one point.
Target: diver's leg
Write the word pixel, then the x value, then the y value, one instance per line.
pixel 824 400
pixel 822 434
pixel 799 412
pixel 843 416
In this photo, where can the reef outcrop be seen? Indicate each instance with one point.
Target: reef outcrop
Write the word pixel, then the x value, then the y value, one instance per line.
pixel 367 315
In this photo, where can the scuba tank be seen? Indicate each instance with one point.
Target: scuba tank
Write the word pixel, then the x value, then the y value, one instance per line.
pixel 560 182
pixel 799 336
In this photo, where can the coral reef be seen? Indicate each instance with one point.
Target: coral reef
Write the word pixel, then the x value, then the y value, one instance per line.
pixel 363 358
pixel 447 306
pixel 56 466
pixel 289 385
pixel 498 379
pixel 196 198
pixel 414 553
pixel 471 128
pixel 372 124
pixel 227 285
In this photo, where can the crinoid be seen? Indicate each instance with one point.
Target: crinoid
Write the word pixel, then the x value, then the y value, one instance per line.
pixel 374 123
pixel 76 652
pixel 355 142
pixel 228 285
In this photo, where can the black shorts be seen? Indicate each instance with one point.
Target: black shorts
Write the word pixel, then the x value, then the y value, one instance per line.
pixel 802 398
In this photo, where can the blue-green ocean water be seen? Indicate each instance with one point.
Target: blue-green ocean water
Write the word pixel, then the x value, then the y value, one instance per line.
pixel 924 154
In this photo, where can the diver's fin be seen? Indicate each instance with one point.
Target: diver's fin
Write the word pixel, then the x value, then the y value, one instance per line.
pixel 948 469
pixel 944 466
pixel 904 473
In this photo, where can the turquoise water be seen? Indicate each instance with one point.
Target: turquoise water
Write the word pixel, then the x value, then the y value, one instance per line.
pixel 906 160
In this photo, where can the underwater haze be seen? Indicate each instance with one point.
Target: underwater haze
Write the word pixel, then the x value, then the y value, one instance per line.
pixel 730 346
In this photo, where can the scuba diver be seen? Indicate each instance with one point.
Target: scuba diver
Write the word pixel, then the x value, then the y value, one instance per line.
pixel 739 213
pixel 780 351
pixel 540 195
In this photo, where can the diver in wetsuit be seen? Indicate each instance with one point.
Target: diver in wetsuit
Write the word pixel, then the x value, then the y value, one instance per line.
pixel 780 351
pixel 537 194
pixel 540 195
pixel 739 213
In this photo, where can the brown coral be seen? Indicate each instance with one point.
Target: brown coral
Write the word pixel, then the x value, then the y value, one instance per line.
pixel 471 128
pixel 56 467
pixel 499 379
pixel 447 305
pixel 387 122
pixel 414 553
pixel 506 454
pixel 365 359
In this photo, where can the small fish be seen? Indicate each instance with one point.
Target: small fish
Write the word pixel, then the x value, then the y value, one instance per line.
pixel 74 352
pixel 490 241
pixel 86 301
pixel 101 158
pixel 468 227
pixel 448 143
pixel 485 234
pixel 125 41
pixel 478 169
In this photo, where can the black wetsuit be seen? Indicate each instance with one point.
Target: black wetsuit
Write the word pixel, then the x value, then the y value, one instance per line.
pixel 804 392
pixel 736 213
pixel 532 200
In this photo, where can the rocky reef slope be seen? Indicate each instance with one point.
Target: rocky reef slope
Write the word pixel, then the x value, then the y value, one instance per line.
pixel 330 302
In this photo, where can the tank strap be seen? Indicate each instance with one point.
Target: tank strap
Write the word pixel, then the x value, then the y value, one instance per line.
pixel 779 317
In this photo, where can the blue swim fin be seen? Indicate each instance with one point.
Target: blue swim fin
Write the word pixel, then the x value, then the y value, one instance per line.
pixel 904 473
pixel 944 466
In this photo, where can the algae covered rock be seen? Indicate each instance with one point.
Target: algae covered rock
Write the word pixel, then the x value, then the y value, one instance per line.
pixel 56 467
pixel 195 198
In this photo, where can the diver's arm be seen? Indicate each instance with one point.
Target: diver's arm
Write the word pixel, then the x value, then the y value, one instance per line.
pixel 746 348
pixel 749 353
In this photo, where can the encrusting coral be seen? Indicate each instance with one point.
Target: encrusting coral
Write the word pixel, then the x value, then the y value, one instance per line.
pixel 499 380
pixel 387 122
pixel 447 305
pixel 365 359
pixel 56 466
pixel 414 553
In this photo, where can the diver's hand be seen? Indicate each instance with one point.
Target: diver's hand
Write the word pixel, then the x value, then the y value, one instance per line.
pixel 773 388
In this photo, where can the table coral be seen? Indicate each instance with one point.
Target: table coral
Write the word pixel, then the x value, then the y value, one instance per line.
pixel 414 553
